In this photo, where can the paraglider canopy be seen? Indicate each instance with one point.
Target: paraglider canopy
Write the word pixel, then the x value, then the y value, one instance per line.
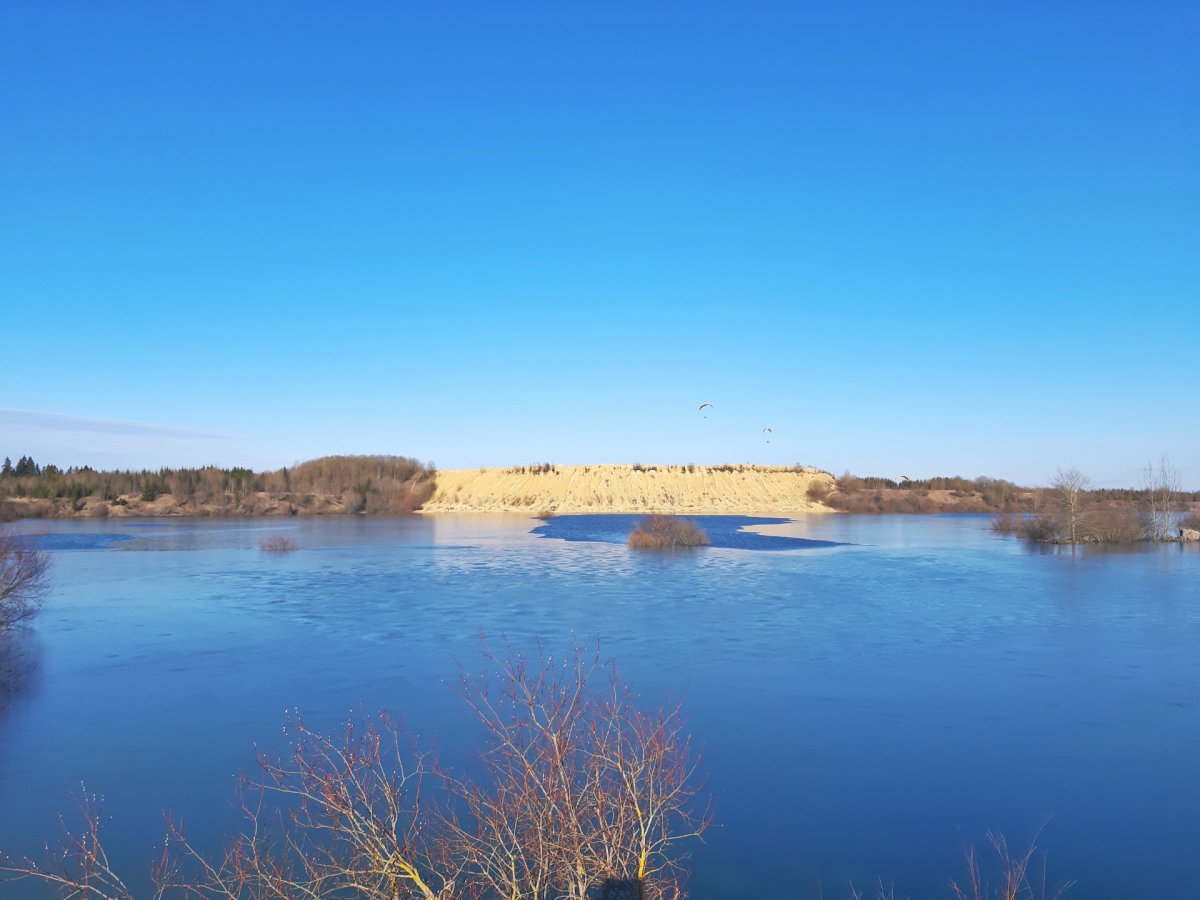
pixel 704 406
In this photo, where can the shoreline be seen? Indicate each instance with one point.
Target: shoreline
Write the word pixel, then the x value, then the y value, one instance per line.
pixel 521 490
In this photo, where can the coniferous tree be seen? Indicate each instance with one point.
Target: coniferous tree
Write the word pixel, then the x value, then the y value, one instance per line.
pixel 7 470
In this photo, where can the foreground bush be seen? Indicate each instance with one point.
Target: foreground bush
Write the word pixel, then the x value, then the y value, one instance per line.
pixel 575 787
pixel 667 533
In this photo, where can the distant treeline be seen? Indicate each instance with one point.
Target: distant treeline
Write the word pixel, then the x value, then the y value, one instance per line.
pixel 873 494
pixel 380 485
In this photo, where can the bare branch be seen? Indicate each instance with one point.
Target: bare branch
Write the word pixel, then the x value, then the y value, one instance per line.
pixel 23 579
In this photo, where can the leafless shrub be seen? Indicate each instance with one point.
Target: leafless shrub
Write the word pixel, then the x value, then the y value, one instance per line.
pixel 24 577
pixel 582 785
pixel 1070 488
pixel 80 867
pixel 667 533
pixel 1041 529
pixel 819 491
pixel 278 543
pixel 1160 499
pixel 888 501
pixel 578 786
pixel 1117 524
pixel 1006 523
pixel 1013 877
pixel 882 892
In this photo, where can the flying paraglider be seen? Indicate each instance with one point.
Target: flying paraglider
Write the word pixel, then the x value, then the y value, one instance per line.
pixel 767 431
pixel 704 406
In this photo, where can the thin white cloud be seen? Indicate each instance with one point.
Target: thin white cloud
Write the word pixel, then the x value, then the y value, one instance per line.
pixel 32 420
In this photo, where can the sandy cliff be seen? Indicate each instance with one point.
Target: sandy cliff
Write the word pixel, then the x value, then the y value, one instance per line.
pixel 627 489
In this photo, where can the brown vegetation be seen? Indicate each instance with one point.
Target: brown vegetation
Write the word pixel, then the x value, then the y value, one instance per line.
pixel 278 543
pixel 1113 523
pixel 1008 876
pixel 577 787
pixel 369 485
pixel 667 533
pixel 854 494
pixel 1071 512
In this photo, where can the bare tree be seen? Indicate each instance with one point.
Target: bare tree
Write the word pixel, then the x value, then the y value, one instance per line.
pixel 331 817
pixel 23 580
pixel 584 787
pixel 1070 494
pixel 578 787
pixel 1162 487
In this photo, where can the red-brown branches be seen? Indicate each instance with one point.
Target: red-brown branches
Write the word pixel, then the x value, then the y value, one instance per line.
pixel 576 786
pixel 582 786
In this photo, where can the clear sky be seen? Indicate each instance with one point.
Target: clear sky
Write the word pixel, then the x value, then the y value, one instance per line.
pixel 910 238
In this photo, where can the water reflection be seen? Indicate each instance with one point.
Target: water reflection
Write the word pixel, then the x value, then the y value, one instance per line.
pixel 20 659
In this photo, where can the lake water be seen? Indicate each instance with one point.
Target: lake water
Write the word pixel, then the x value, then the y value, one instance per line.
pixel 872 693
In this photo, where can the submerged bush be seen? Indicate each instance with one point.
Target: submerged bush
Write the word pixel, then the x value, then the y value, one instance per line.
pixel 278 543
pixel 667 533
pixel 1113 525
pixel 1007 523
pixel 1039 528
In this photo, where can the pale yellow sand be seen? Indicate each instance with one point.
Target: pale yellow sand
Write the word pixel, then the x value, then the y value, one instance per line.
pixel 626 489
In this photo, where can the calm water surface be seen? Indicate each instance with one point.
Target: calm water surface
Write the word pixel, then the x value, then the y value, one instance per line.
pixel 871 695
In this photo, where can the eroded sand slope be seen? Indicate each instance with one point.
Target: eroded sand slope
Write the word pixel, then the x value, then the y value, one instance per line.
pixel 628 489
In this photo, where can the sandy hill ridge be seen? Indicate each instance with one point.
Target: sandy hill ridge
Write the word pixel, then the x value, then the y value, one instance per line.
pixel 628 489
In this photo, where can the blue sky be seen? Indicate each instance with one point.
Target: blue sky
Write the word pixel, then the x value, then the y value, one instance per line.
pixel 934 238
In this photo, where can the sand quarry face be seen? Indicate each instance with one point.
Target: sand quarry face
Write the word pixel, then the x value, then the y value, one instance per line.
pixel 628 489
